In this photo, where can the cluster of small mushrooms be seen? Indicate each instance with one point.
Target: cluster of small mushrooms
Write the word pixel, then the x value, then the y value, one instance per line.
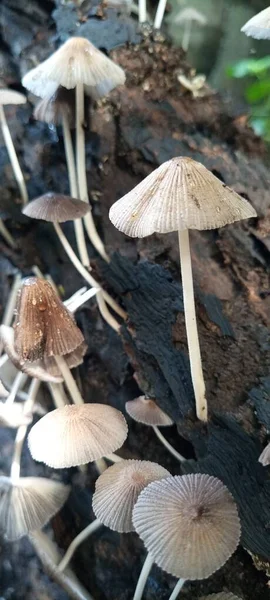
pixel 189 523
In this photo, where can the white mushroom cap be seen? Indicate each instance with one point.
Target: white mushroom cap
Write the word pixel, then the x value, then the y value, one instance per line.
pixel 13 415
pixel 264 458
pixel 146 411
pixel 258 26
pixel 180 194
pixel 190 14
pixel 10 97
pixel 28 504
pixel 76 435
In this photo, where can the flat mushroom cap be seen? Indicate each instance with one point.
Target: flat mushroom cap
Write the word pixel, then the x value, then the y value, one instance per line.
pixel 56 208
pixel 76 435
pixel 221 596
pixel 10 97
pixel 189 524
pixel 146 411
pixel 77 61
pixel 28 504
pixel 264 458
pixel 13 415
pixel 258 26
pixel 118 488
pixel 180 194
pixel 190 14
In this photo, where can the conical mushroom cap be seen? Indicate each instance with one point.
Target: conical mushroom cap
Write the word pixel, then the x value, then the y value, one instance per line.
pixel 13 415
pixel 56 208
pixel 43 325
pixel 221 596
pixel 77 61
pixel 264 458
pixel 28 504
pixel 3 392
pixel 146 411
pixel 32 369
pixel 51 110
pixel 180 194
pixel 258 26
pixel 189 524
pixel 118 488
pixel 76 435
pixel 10 97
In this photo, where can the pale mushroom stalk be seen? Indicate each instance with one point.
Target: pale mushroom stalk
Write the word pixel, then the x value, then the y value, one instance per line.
pixel 160 14
pixel 4 232
pixel 101 465
pixel 191 326
pixel 21 433
pixel 107 316
pixel 81 172
pixel 11 303
pixel 13 156
pixel 83 535
pixel 18 383
pixel 81 298
pixel 167 445
pixel 114 458
pixel 177 589
pixel 78 223
pixel 142 11
pixel 147 566
pixel 58 394
pixel 187 34
pixel 69 380
pixel 3 360
pixel 81 269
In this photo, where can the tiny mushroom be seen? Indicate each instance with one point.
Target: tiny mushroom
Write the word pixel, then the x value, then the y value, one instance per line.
pixel 264 458
pixel 10 97
pixel 181 195
pixel 258 26
pixel 187 16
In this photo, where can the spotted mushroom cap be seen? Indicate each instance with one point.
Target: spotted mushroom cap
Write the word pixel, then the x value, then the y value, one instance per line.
pixel 146 411
pixel 258 26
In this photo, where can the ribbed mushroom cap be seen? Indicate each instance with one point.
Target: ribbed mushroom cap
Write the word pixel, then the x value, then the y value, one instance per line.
pixel 118 488
pixel 77 61
pixel 36 369
pixel 221 596
pixel 73 359
pixel 180 194
pixel 189 524
pixel 10 97
pixel 146 411
pixel 56 208
pixel 43 325
pixel 258 26
pixel 76 435
pixel 264 458
pixel 190 14
pixel 3 391
pixel 29 504
pixel 13 415
pixel 51 110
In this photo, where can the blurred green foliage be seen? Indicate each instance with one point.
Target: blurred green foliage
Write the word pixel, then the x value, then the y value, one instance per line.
pixel 257 91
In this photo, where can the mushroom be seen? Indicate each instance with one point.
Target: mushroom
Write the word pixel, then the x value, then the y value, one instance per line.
pixel 56 209
pixel 196 508
pixel 77 64
pixel 258 26
pixel 145 410
pixel 11 97
pixel 221 596
pixel 181 195
pixel 76 435
pixel 264 458
pixel 13 415
pixel 187 16
pixel 4 232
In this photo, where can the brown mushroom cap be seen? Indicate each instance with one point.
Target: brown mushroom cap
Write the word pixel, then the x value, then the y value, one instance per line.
pixel 76 435
pixel 43 325
pixel 180 194
pixel 221 596
pixel 56 208
pixel 264 458
pixel 146 411
pixel 189 524
pixel 10 97
pixel 118 488
pixel 258 26
pixel 28 504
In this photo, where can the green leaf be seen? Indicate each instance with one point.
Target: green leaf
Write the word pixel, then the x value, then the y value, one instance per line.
pixel 250 66
pixel 258 91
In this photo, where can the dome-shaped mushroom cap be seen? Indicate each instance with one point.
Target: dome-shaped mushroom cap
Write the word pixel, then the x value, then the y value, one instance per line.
pixel 10 97
pixel 264 458
pixel 118 488
pixel 258 26
pixel 76 435
pixel 56 208
pixel 189 524
pixel 180 194
pixel 189 13
pixel 29 504
pixel 146 411
pixel 77 61
pixel 221 596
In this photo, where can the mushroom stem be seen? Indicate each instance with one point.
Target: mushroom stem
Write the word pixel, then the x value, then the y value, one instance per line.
pixel 81 269
pixel 103 309
pixel 148 563
pixel 83 535
pixel 186 35
pixel 101 465
pixel 142 11
pixel 114 458
pixel 81 172
pixel 177 589
pixel 6 235
pixel 167 444
pixel 21 432
pixel 13 156
pixel 18 383
pixel 191 326
pixel 160 14
pixel 11 304
pixel 78 224
pixel 69 380
pixel 58 395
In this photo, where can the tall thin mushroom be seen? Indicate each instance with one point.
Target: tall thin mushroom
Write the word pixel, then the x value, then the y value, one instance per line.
pixel 187 16
pixel 11 97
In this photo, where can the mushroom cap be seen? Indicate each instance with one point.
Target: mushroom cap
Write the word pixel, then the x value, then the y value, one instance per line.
pixel 146 411
pixel 73 359
pixel 56 208
pixel 180 194
pixel 51 110
pixel 258 26
pixel 13 415
pixel 190 14
pixel 77 61
pixel 10 97
pixel 264 458
pixel 3 391
pixel 36 369
pixel 221 596
pixel 28 504
pixel 76 435
pixel 188 523
pixel 118 488
pixel 43 325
